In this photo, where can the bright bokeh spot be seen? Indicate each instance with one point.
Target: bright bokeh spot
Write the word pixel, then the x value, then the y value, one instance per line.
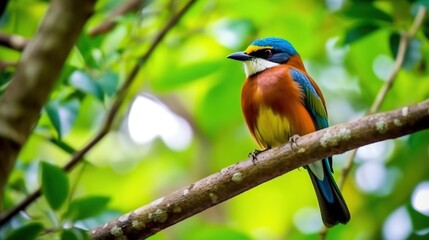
pixel 226 35
pixel 149 118
pixel 398 225
pixel 382 66
pixel 379 151
pixel 371 176
pixel 420 198
pixel 335 52
pixel 308 220
pixel 334 5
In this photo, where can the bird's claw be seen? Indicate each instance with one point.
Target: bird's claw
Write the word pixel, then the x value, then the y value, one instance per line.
pixel 253 155
pixel 294 140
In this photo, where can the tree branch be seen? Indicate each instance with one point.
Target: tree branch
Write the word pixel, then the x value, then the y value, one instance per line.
pixel 381 95
pixel 77 157
pixel 233 180
pixel 6 64
pixel 35 76
pixel 14 42
pixel 110 22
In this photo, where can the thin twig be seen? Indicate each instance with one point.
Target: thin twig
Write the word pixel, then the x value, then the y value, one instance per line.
pixel 400 57
pixel 111 113
pixel 110 22
pixel 7 64
pixel 244 175
pixel 14 42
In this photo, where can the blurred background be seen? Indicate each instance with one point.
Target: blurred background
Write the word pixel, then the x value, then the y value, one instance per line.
pixel 182 120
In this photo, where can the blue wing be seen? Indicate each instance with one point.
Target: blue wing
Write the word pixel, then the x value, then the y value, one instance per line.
pixel 333 208
pixel 312 101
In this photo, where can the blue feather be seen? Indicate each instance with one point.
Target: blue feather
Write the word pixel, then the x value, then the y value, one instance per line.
pixel 325 186
pixel 278 44
pixel 331 202
pixel 310 92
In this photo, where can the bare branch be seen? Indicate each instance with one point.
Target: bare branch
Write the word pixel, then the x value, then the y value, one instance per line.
pixel 35 76
pixel 233 180
pixel 77 157
pixel 13 41
pixel 7 64
pixel 110 22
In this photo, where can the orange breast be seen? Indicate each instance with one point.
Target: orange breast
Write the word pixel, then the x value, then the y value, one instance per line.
pixel 273 107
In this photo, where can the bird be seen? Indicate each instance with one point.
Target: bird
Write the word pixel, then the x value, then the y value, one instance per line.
pixel 281 101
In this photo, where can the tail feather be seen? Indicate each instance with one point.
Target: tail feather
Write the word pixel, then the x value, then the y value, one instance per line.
pixel 332 205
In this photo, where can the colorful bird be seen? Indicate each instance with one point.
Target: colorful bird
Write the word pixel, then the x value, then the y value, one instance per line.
pixel 279 100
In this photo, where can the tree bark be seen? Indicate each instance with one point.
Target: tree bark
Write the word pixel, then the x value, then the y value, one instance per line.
pixel 35 76
pixel 233 180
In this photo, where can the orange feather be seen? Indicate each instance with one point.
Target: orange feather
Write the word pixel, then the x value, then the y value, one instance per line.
pixel 262 91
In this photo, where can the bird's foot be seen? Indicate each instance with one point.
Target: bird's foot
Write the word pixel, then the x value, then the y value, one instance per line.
pixel 254 154
pixel 294 140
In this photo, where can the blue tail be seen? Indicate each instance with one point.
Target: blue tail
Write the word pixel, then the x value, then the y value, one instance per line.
pixel 332 205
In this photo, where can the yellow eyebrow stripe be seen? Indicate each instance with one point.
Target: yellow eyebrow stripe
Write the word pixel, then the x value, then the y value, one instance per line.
pixel 253 48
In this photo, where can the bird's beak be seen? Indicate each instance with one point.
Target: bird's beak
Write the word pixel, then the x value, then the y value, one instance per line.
pixel 240 56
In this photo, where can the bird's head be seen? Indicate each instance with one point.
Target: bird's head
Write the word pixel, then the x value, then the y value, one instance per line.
pixel 264 53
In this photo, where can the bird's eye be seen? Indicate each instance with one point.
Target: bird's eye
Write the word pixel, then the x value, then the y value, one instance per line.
pixel 268 53
pixel 263 53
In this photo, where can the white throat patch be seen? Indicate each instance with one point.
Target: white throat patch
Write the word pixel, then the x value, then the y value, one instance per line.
pixel 256 65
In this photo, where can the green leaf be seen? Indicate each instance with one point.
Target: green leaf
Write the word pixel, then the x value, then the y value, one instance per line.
pixel 394 39
pixel 55 185
pixel 415 236
pixel 359 31
pixel 27 232
pixel 86 46
pixel 419 3
pixel 86 207
pixel 413 53
pixel 66 72
pixel 82 81
pixel 63 145
pixel 62 115
pixel 75 234
pixel 426 28
pixel 420 221
pixel 51 109
pixel 178 77
pixel 109 83
pixel 367 11
pixel 5 77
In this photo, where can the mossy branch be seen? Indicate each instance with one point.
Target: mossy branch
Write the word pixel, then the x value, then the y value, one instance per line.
pixel 233 180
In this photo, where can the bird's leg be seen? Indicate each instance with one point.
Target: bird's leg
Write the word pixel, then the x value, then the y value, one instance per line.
pixel 294 140
pixel 255 153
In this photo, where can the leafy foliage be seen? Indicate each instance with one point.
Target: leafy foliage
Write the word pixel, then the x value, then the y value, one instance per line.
pixel 86 207
pixel 28 231
pixel 55 185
